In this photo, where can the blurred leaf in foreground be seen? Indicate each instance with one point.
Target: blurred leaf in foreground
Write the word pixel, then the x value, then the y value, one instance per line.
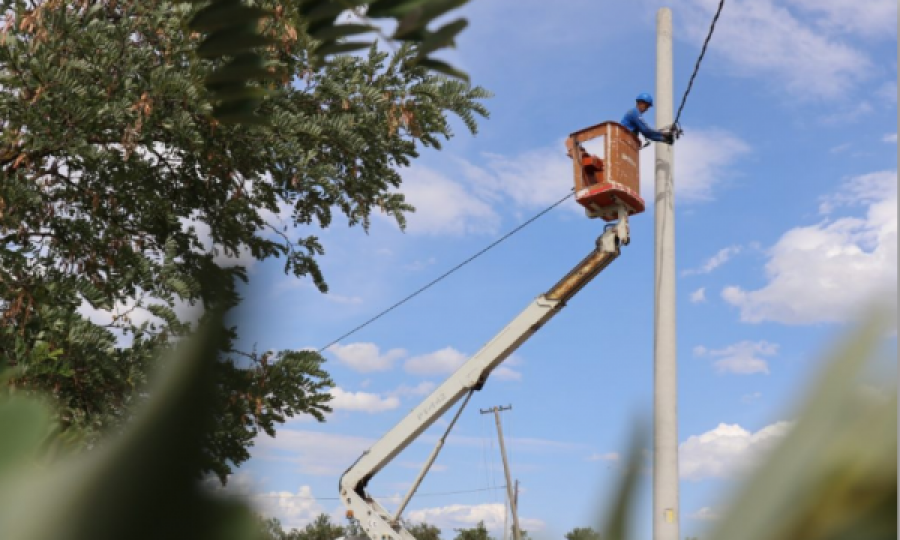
pixel 833 477
pixel 141 484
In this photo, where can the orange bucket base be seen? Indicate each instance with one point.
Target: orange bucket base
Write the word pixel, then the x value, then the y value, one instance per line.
pixel 600 200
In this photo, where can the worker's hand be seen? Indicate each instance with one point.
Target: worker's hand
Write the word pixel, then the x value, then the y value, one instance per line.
pixel 669 137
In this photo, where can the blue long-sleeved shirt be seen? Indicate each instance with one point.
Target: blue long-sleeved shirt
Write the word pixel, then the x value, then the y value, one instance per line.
pixel 636 124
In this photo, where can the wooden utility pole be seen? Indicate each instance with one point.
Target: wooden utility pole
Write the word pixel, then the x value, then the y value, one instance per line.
pixel 513 506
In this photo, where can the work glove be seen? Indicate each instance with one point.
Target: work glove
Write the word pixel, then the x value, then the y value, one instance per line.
pixel 673 133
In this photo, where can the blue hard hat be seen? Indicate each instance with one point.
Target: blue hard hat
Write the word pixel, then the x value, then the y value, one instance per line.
pixel 645 97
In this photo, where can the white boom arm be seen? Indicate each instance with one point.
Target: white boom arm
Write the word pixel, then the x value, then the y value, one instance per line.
pixel 377 522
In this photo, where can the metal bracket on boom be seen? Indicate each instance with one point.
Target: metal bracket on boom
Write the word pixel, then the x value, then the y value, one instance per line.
pixel 616 233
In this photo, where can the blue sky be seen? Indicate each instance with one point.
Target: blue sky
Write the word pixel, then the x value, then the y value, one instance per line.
pixel 786 226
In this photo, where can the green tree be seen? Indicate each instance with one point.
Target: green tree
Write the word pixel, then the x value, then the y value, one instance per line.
pixel 583 533
pixel 353 529
pixel 233 28
pixel 320 529
pixel 478 532
pixel 270 529
pixel 120 192
pixel 424 531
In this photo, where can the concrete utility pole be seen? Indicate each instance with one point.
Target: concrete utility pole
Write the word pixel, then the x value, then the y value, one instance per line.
pixel 513 498
pixel 665 359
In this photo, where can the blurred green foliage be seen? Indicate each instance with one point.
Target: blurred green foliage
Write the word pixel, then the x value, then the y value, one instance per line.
pixel 321 528
pixel 120 194
pixel 423 531
pixel 833 477
pixel 139 484
pixel 238 40
pixel 583 533
pixel 478 532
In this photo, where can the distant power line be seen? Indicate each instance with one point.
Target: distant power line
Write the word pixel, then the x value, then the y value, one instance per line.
pixel 310 498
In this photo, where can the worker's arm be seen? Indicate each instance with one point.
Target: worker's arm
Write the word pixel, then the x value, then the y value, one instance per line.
pixel 649 132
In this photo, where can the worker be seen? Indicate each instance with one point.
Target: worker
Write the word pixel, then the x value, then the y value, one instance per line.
pixel 634 121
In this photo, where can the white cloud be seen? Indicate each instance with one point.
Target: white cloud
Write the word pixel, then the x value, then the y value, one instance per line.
pixel 698 296
pixel 523 444
pixel 419 264
pixel 465 515
pixel 608 456
pixel 242 258
pixel 504 373
pixel 726 451
pixel 705 514
pixel 840 148
pixel 531 179
pixel 750 398
pixel 439 362
pixel 293 510
pixel 828 271
pixel 361 401
pixel 417 465
pixel 877 19
pixel 888 91
pixel 890 138
pixel 421 389
pixel 541 176
pixel 341 299
pixel 531 444
pixel 743 358
pixel 366 357
pixel 133 311
pixel 863 189
pixel 764 40
pixel 312 452
pixel 444 206
pixel 717 260
pixel 703 159
pixel 845 114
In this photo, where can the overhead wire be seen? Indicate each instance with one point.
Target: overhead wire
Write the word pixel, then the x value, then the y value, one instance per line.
pixel 432 494
pixel 687 92
pixel 448 272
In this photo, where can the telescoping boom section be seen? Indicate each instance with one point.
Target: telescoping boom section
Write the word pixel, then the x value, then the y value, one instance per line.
pixel 378 523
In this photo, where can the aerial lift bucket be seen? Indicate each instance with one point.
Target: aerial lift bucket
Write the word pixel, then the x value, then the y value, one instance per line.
pixel 603 183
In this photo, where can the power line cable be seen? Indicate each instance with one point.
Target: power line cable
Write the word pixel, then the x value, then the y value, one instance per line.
pixel 712 27
pixel 448 272
pixel 433 494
